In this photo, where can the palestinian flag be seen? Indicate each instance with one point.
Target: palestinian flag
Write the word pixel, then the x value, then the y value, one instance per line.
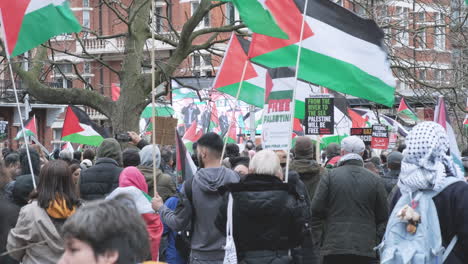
pixel 160 110
pixel 192 135
pixel 68 146
pixel 141 199
pixel 357 119
pixel 441 117
pixel 405 112
pixel 115 91
pixel 30 129
pixel 257 17
pixel 371 119
pixel 29 23
pixel 214 120
pixel 231 136
pixel 340 50
pixel 230 72
pixel 185 166
pixel 78 128
pixel 465 123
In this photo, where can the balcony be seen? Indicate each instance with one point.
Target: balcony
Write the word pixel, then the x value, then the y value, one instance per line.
pixel 115 45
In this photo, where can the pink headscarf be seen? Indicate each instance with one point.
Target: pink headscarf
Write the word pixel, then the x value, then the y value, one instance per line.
pixel 131 176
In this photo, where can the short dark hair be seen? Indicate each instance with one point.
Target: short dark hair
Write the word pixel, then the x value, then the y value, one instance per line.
pixel 131 157
pixel 77 155
pixel 212 141
pixel 6 151
pixel 73 167
pixel 124 231
pixel 232 150
pixel 11 159
pixel 89 154
pixel 24 163
pixel 166 155
pixel 56 182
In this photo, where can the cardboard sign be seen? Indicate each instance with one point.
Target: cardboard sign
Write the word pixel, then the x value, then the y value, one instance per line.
pixel 364 133
pixel 319 115
pixel 379 137
pixel 165 130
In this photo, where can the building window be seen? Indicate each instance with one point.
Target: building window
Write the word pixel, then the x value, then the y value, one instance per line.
pixel 338 2
pixel 206 19
pixel 422 75
pixel 196 61
pixel 87 83
pixel 439 38
pixel 63 83
pixel 65 68
pixel 158 18
pixel 439 19
pixel 420 39
pixel 439 75
pixel 85 3
pixel 87 67
pixel 402 37
pixel 86 19
pixel 206 60
pixel 230 13
pixel 421 17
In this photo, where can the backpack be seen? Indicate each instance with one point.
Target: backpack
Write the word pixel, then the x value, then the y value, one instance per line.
pixel 399 246
pixel 183 238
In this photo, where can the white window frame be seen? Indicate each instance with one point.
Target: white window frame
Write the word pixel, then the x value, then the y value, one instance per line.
pixel 439 38
pixel 86 19
pixel 206 21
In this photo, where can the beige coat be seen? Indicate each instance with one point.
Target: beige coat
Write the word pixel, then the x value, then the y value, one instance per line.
pixel 34 226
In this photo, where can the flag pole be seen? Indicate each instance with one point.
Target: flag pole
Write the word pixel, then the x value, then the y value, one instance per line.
pixel 25 136
pixel 237 98
pixel 153 100
pixel 298 60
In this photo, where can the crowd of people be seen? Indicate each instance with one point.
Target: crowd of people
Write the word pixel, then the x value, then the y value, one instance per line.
pixel 334 210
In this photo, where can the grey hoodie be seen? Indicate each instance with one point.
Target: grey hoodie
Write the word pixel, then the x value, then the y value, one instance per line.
pixel 207 241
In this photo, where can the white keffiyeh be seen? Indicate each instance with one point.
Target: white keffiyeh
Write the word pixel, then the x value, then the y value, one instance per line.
pixel 426 159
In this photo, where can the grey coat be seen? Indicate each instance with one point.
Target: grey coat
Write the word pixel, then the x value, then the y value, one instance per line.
pixel 351 202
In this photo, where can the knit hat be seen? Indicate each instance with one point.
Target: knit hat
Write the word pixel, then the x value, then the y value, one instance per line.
pixel 426 163
pixel 304 148
pixel 394 158
pixel 110 148
pixel 353 144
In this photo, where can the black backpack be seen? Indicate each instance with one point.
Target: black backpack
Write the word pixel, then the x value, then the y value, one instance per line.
pixel 183 238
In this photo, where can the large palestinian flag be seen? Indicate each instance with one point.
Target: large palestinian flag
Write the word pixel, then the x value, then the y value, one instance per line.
pixel 405 112
pixel 228 78
pixel 185 166
pixel 192 135
pixel 30 129
pixel 29 23
pixel 257 17
pixel 340 50
pixel 441 117
pixel 78 128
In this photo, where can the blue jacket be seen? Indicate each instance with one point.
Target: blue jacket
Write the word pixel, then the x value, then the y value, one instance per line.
pixel 172 256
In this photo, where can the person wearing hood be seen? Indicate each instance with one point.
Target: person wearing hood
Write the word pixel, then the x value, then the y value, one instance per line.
pixel 305 165
pixel 207 243
pixel 394 165
pixel 351 201
pixel 102 178
pixel 36 237
pixel 333 155
pixel 131 176
pixel 164 184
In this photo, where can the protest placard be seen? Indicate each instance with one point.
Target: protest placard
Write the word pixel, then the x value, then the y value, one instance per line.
pixel 319 115
pixel 379 137
pixel 364 133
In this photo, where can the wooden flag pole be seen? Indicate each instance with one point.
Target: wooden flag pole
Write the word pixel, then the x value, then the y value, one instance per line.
pixel 153 100
pixel 293 107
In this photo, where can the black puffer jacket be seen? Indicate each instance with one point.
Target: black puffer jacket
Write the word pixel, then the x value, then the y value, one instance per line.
pixel 390 179
pixel 100 179
pixel 10 212
pixel 266 221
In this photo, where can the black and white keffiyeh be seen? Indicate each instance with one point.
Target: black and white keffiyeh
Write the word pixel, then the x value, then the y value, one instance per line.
pixel 426 159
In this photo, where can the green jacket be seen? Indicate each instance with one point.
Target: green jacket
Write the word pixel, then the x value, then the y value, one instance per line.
pixel 310 173
pixel 351 202
pixel 164 184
